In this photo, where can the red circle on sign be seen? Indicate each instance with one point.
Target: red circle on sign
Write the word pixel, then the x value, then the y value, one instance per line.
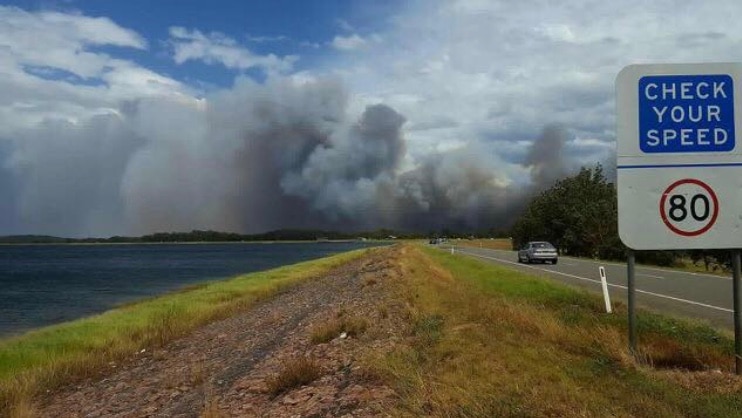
pixel 700 184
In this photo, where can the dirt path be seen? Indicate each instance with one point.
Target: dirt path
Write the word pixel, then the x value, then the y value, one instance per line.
pixel 223 368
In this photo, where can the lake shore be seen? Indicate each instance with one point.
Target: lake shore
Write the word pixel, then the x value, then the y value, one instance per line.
pixel 228 366
pixel 42 285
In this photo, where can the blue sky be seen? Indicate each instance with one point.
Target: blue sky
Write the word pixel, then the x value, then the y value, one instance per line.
pixel 280 27
pixel 127 117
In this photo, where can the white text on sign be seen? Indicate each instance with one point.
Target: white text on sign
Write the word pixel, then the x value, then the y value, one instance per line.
pixel 686 113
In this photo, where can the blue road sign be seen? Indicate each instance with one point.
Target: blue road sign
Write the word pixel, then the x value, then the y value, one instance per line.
pixel 686 113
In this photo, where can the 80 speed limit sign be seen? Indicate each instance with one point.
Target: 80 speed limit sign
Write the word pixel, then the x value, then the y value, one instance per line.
pixel 667 210
pixel 689 207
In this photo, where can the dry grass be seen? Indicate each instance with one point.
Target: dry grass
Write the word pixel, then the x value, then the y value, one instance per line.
pixel 197 374
pixel 294 373
pixel 493 244
pixel 211 410
pixel 211 406
pixel 24 408
pixel 369 280
pixel 331 329
pixel 488 341
pixel 670 354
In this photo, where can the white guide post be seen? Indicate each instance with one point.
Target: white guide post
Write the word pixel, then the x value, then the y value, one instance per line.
pixel 606 296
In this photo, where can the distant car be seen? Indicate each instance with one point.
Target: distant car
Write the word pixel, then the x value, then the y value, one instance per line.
pixel 538 251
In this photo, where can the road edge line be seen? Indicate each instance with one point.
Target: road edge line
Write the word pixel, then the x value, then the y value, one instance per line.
pixel 659 295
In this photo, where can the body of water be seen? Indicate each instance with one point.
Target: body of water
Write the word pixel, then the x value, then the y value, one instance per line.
pixel 47 284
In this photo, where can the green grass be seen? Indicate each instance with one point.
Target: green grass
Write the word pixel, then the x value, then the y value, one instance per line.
pixel 51 356
pixel 485 341
pixel 576 307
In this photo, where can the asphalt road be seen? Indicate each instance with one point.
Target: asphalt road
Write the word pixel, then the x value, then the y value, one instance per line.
pixel 693 295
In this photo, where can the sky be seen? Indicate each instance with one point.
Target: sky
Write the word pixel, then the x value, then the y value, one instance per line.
pixel 247 116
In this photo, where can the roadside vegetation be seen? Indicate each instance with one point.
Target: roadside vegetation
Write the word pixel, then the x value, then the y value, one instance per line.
pixel 44 359
pixel 704 264
pixel 492 244
pixel 579 215
pixel 488 341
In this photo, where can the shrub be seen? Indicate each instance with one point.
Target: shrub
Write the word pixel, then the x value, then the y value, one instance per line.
pixel 295 373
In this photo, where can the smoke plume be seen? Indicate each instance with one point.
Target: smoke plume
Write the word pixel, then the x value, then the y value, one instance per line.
pixel 251 159
pixel 545 157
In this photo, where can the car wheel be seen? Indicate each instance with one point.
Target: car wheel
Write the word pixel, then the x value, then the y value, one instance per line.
pixel 554 261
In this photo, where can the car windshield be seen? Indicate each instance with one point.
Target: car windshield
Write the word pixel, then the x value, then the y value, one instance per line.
pixel 543 245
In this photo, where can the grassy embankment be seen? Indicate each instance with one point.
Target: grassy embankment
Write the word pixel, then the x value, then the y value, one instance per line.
pixel 488 341
pixel 48 357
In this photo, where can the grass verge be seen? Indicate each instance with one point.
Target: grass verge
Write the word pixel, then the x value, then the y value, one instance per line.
pixel 486 341
pixel 46 358
pixel 683 264
pixel 493 244
pixel 293 374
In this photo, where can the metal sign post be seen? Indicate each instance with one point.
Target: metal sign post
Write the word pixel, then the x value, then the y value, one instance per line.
pixel 737 311
pixel 632 301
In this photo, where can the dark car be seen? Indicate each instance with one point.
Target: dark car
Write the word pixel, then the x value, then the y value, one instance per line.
pixel 537 251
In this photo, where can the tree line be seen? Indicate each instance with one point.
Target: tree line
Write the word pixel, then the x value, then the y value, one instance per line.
pixel 216 236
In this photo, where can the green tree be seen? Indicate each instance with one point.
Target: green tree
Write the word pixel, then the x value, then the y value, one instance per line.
pixel 578 214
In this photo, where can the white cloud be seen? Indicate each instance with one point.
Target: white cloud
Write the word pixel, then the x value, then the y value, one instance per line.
pixel 557 32
pixel 348 43
pixel 128 77
pixel 52 68
pixel 344 25
pixel 60 41
pixel 263 39
pixel 218 48
pixel 313 45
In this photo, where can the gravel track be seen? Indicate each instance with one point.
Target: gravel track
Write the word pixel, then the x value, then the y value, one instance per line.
pixel 221 369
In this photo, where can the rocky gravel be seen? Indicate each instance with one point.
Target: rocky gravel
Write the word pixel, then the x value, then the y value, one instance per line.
pixel 223 369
